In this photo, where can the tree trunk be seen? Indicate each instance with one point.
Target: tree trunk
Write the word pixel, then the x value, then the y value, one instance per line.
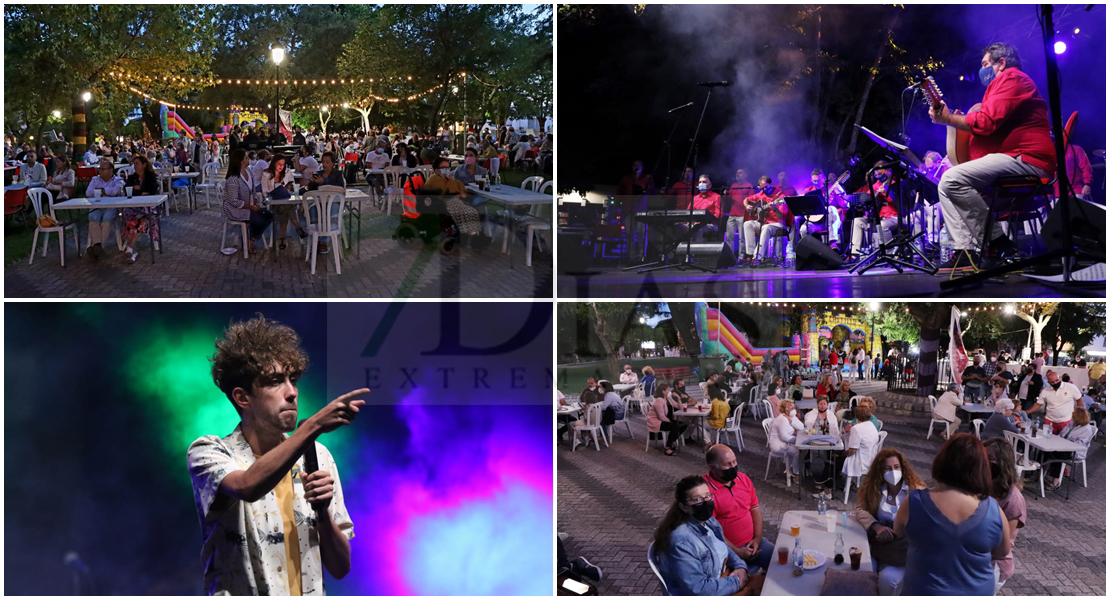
pixel 683 316
pixel 870 82
pixel 602 330
pixel 927 361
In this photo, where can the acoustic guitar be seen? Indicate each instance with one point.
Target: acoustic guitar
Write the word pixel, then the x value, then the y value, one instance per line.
pixel 958 143
pixel 832 188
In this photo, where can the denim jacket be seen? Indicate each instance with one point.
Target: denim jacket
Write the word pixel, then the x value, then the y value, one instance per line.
pixel 688 565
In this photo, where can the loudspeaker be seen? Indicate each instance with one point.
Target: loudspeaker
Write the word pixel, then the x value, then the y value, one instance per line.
pixel 1087 225
pixel 811 255
pixel 717 255
pixel 574 253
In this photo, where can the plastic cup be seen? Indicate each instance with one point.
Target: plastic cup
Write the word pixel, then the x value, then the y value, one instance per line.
pixel 795 529
pixel 784 555
pixel 830 521
pixel 855 554
pixel 96 193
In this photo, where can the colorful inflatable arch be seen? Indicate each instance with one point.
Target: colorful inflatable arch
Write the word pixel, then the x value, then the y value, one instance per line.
pixel 733 342
pixel 174 126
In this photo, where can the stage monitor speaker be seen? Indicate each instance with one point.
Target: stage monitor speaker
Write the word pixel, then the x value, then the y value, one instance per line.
pixel 812 255
pixel 717 255
pixel 574 253
pixel 1088 226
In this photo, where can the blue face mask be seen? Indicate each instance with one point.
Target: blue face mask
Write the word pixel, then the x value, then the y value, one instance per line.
pixel 986 75
pixel 703 186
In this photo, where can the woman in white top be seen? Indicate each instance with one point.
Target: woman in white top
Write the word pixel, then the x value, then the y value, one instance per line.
pixel 61 184
pixel 784 430
pixel 629 376
pixel 881 492
pixel 863 440
pixel 823 419
pixel 1081 431
pixel 277 184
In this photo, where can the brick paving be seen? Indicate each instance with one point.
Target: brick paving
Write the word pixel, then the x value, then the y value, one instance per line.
pixel 192 266
pixel 610 501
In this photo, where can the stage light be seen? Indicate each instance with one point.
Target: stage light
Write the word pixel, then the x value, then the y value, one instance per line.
pixel 961 77
pixel 1076 30
pixel 1060 47
pixel 57 114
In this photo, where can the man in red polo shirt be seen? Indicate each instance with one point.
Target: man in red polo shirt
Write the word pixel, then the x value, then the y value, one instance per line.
pixel 705 199
pixel 758 235
pixel 888 215
pixel 736 506
pixel 1009 136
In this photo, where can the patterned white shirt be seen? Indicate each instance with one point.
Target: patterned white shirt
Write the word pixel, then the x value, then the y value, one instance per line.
pixel 244 542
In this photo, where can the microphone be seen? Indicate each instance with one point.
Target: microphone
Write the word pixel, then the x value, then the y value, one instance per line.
pixel 918 84
pixel 678 108
pixel 72 559
pixel 311 464
pixel 715 83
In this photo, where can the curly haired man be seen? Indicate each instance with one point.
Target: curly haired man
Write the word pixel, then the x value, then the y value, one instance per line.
pixel 255 501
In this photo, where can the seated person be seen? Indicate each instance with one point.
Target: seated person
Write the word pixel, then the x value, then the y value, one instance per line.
pixel 946 408
pixel 591 393
pixel 378 159
pixel 239 200
pixel 795 392
pixel 863 442
pixel 62 182
pixel 1003 419
pixel 648 380
pixel 888 215
pixel 1006 489
pixel 329 174
pixel 100 220
pixel 690 549
pixel 823 419
pixel 136 221
pixel 34 171
pixel 660 418
pixel 612 407
pixel 277 184
pixel 705 199
pixel 470 171
pixel 758 232
pixel 736 507
pixel 305 164
pixel 1079 430
pixel 628 377
pixel 884 489
pixel 850 416
pixel 444 183
pixel 784 430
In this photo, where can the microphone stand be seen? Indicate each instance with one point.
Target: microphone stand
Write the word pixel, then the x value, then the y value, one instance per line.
pixel 666 186
pixel 900 243
pixel 688 262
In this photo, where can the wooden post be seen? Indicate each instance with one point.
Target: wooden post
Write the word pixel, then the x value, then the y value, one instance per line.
pixel 79 130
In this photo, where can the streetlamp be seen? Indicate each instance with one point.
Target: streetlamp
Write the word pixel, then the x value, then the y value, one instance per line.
pixel 874 306
pixel 57 114
pixel 86 96
pixel 277 52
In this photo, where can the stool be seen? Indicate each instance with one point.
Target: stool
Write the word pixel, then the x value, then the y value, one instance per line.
pixel 1019 194
pixel 782 234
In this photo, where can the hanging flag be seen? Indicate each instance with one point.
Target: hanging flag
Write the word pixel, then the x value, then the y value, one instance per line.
pixel 285 124
pixel 957 355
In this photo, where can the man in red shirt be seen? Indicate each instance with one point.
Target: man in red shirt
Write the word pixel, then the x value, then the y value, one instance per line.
pixel 736 506
pixel 706 199
pixel 888 215
pixel 632 193
pixel 681 190
pixel 785 188
pixel 1080 175
pixel 833 198
pixel 756 234
pixel 741 188
pixel 1009 136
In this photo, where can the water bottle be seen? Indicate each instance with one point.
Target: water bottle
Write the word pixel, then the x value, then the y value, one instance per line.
pixel 844 519
pixel 799 558
pixel 945 245
pixel 821 506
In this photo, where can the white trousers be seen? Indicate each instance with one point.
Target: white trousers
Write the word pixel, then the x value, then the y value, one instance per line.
pixel 886 231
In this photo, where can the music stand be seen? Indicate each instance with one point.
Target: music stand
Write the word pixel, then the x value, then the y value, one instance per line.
pixel 807 205
pixel 903 242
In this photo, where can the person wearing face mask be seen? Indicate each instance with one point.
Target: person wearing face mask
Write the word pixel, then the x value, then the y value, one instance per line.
pixel 823 418
pixel 784 430
pixel 443 182
pixel 736 507
pixel 946 407
pixel 998 392
pixel 863 442
pixel 766 215
pixel 738 190
pixel 377 159
pixel 704 199
pixel 888 215
pixel 1058 400
pixel 628 376
pixel 470 170
pixel 1009 136
pixel 1029 386
pixel 881 492
pixel 1001 420
pixel 834 202
pixel 975 380
pixel 1006 489
pixel 678 390
pixel 661 418
pixel 590 394
pixel 690 549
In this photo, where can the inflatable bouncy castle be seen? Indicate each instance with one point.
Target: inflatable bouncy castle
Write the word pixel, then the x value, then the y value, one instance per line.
pixel 719 336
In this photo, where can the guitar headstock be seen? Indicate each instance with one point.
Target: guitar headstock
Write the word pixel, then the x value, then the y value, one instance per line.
pixel 933 95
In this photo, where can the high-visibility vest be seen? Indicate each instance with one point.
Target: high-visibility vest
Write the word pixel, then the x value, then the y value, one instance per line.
pixel 415 182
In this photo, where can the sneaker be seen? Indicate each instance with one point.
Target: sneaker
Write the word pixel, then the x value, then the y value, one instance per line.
pixel 961 261
pixel 1002 247
pixel 586 568
pixel 563 535
pixel 325 249
pixel 132 255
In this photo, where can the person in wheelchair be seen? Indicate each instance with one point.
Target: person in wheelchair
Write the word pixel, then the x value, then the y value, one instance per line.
pixel 444 182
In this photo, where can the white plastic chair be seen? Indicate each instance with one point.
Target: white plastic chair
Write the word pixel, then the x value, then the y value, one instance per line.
pixel 848 479
pixel 732 425
pixel 1021 457
pixel 394 192
pixel 591 423
pixel 625 420
pixel 208 181
pixel 37 195
pixel 781 455
pixel 326 225
pixel 655 568
pixel 546 187
pixel 977 425
pixel 532 183
pixel 933 420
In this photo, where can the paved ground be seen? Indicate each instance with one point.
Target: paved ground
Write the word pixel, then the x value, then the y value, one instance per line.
pixel 610 501
pixel 192 266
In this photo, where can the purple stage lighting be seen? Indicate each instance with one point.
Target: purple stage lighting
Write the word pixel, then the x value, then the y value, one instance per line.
pixel 1060 47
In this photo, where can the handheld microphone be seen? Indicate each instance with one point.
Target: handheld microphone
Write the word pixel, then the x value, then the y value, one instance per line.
pixel 678 108
pixel 311 464
pixel 715 83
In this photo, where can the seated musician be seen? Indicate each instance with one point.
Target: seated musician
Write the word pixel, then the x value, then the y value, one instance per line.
pixel 682 189
pixel 632 193
pixel 833 198
pixel 706 199
pixel 784 188
pixel 1009 136
pixel 888 215
pixel 739 189
pixel 772 216
pixel 934 167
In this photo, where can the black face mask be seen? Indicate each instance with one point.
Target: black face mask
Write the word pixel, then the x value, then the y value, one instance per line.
pixel 728 475
pixel 1056 385
pixel 702 512
pixel 995 470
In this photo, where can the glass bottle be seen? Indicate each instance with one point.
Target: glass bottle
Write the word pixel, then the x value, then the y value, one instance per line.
pixel 838 549
pixel 799 559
